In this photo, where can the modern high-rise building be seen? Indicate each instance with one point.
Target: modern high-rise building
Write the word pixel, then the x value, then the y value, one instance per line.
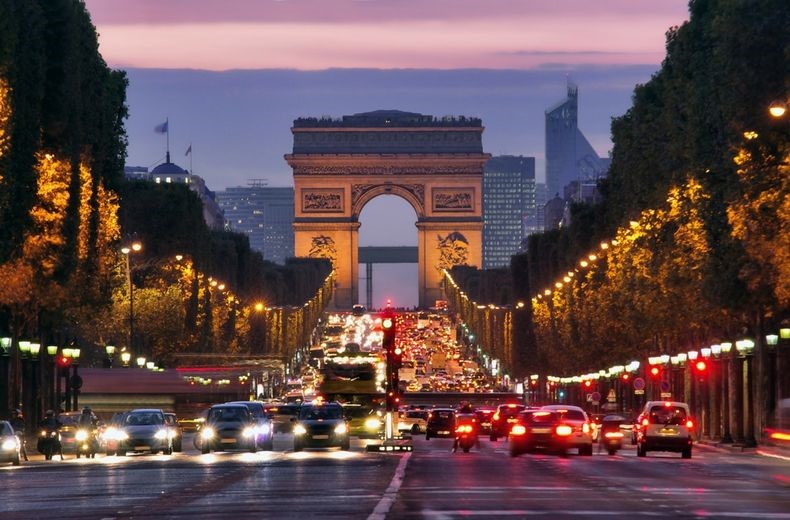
pixel 508 207
pixel 265 214
pixel 569 156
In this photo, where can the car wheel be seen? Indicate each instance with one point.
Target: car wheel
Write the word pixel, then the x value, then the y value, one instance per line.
pixel 15 462
pixel 612 451
pixel 514 452
pixel 269 446
pixel 78 454
pixel 467 448
pixel 415 429
pixel 640 450
pixel 586 451
pixel 493 438
pixel 205 450
pixel 168 451
pixel 345 446
pixel 686 453
pixel 177 446
pixel 297 446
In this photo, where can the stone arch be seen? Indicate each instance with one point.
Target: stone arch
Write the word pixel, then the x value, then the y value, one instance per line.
pixel 413 194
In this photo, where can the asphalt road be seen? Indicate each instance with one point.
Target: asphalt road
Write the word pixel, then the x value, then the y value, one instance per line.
pixel 431 482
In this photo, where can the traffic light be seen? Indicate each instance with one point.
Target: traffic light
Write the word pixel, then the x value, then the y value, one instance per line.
pixel 63 361
pixel 701 366
pixel 588 384
pixel 655 372
pixel 626 377
pixel 388 333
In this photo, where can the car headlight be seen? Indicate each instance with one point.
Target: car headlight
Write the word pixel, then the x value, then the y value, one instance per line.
pixel 207 433
pixel 121 435
pixel 81 435
pixel 264 429
pixel 299 430
pixel 161 434
pixel 372 424
pixel 9 445
pixel 248 432
pixel 341 428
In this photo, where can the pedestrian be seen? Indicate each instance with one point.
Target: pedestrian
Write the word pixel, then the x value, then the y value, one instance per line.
pixel 18 424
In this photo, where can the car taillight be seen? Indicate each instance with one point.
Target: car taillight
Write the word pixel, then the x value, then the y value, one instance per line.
pixel 613 435
pixel 496 416
pixel 689 424
pixel 644 422
pixel 464 428
pixel 518 429
pixel 563 430
pixel 586 428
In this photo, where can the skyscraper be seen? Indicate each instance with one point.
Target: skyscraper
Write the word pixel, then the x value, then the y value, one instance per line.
pixel 508 206
pixel 569 156
pixel 265 214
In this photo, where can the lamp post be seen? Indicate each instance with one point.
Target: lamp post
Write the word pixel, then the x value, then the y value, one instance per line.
pixel 75 381
pixel 134 247
pixel 745 348
pixel 140 362
pixel 49 377
pixel 126 358
pixel 35 408
pixel 771 341
pixel 5 347
pixel 110 351
pixel 726 390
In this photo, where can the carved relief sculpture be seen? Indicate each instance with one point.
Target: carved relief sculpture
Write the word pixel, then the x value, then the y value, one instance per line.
pixel 453 250
pixel 445 199
pixel 323 246
pixel 323 201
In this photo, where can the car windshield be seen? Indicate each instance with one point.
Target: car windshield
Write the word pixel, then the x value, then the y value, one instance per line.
pixel 417 415
pixel 5 429
pixel 68 420
pixel 313 413
pixel 442 415
pixel 667 415
pixel 229 414
pixel 144 419
pixel 509 411
pixel 573 415
pixel 355 412
pixel 541 417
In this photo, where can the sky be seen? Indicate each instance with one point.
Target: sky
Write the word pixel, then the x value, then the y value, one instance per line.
pixel 232 75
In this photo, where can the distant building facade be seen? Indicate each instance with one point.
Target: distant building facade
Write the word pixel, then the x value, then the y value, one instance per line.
pixel 265 214
pixel 569 156
pixel 170 173
pixel 509 207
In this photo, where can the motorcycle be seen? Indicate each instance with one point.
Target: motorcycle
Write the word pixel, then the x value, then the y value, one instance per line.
pixel 49 443
pixel 465 437
pixel 87 442
pixel 611 437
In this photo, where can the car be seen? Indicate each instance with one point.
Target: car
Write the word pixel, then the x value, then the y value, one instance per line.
pixel 144 429
pixel 320 425
pixel 229 426
pixel 9 444
pixel 441 423
pixel 358 310
pixel 505 416
pixel 112 433
pixel 484 416
pixel 176 433
pixel 281 415
pixel 364 422
pixel 413 421
pixel 577 431
pixel 665 426
pixel 68 431
pixel 265 427
pixel 537 430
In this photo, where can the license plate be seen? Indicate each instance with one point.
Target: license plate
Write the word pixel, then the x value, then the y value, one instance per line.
pixel 228 441
pixel 142 448
pixel 512 420
pixel 541 430
pixel 668 431
pixel 320 437
pixel 485 424
pixel 444 432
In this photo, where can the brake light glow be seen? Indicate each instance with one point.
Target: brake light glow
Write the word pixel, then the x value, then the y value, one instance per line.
pixel 563 430
pixel 645 422
pixel 464 428
pixel 541 414
pixel 667 404
pixel 613 435
pixel 511 406
pixel 689 424
pixel 496 416
pixel 586 428
pixel 518 429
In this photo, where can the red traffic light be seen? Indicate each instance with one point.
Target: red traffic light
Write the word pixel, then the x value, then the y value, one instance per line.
pixel 655 371
pixel 386 323
pixel 588 383
pixel 63 361
pixel 701 366
pixel 626 377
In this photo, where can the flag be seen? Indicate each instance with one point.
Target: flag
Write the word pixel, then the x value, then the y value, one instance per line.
pixel 189 150
pixel 161 129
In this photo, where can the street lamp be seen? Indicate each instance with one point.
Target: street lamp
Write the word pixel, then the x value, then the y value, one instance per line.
pixel 134 247
pixel 126 357
pixel 777 108
pixel 140 362
pixel 110 351
pixel 744 348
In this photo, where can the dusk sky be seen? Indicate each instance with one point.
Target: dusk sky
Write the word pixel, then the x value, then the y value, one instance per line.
pixel 232 75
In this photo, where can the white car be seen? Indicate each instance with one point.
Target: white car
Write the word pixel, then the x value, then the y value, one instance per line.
pixel 665 426
pixel 413 421
pixel 578 432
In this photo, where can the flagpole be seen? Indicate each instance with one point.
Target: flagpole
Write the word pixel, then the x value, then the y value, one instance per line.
pixel 167 128
pixel 191 152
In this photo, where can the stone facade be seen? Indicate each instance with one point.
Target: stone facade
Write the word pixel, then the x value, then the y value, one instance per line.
pixel 436 165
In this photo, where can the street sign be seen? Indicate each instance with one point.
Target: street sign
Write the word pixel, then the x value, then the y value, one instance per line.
pixel 639 384
pixel 639 392
pixel 664 386
pixel 76 382
pixel 595 396
pixel 666 395
pixel 611 397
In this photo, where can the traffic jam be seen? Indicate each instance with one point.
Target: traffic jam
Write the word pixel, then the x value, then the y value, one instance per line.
pixel 338 402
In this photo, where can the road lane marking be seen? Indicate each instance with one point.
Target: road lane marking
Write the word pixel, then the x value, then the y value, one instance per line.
pixel 586 513
pixel 384 505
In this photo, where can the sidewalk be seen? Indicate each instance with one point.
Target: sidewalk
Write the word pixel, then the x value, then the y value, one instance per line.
pixel 764 449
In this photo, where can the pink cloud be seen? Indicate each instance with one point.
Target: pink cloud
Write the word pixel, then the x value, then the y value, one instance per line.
pixel 309 34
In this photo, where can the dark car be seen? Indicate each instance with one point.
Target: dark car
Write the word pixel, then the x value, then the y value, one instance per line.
pixel 536 429
pixel 144 429
pixel 441 423
pixel 484 418
pixel 264 433
pixel 320 425
pixel 9 444
pixel 68 430
pixel 228 426
pixel 504 418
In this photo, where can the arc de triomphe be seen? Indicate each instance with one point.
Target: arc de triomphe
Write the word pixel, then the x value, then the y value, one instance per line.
pixel 435 164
